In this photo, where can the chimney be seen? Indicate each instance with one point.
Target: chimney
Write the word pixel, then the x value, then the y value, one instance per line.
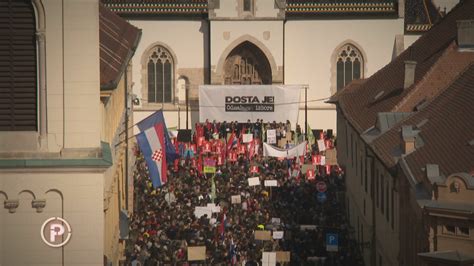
pixel 408 136
pixel 466 34
pixel 409 74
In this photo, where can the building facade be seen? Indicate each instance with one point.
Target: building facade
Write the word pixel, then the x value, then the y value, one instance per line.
pixel 321 44
pixel 58 152
pixel 405 141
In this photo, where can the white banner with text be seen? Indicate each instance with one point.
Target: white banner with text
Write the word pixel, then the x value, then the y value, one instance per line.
pixel 242 102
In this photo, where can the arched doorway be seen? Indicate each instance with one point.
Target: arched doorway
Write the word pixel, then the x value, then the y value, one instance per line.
pixel 247 64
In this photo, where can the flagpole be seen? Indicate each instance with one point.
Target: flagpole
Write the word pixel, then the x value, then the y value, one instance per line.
pixel 306 112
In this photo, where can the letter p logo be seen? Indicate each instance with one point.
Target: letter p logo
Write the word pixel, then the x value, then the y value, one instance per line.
pixel 55 230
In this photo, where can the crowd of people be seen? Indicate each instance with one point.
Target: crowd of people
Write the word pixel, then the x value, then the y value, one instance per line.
pixel 164 223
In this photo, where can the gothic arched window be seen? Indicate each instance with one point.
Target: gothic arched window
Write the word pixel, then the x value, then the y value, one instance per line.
pixel 160 72
pixel 248 5
pixel 349 65
pixel 247 64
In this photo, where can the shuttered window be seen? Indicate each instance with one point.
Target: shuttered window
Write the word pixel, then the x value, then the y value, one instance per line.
pixel 18 89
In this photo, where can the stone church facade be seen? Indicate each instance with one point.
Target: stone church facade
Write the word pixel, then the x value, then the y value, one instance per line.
pixel 321 44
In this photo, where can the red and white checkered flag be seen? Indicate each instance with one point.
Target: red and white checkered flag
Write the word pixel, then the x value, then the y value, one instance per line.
pixel 157 155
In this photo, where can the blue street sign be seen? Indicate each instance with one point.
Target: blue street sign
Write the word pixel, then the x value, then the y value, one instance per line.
pixel 332 242
pixel 322 197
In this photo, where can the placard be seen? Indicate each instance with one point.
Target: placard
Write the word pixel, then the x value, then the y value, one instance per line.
pixel 235 199
pixel 263 235
pixel 271 136
pixel 308 227
pixel 268 258
pixel 254 181
pixel 271 183
pixel 246 138
pixel 276 221
pixel 196 253
pixel 321 145
pixel 323 160
pixel 331 157
pixel 214 208
pixel 201 211
pixel 277 234
pixel 283 256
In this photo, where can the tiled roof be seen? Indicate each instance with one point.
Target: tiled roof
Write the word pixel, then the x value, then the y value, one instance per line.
pixel 148 7
pixel 448 131
pixel 446 126
pixel 118 41
pixel 420 15
pixel 299 7
pixel 437 79
pixel 360 106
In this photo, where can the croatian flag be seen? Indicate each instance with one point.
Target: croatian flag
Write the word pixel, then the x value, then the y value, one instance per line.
pixel 152 144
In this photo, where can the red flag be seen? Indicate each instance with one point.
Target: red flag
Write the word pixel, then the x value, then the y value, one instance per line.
pixel 206 146
pixel 328 169
pixel 220 161
pixel 254 169
pixel 233 156
pixel 241 149
pixel 176 165
pixel 199 165
pixel 251 149
pixel 316 159
pixel 200 141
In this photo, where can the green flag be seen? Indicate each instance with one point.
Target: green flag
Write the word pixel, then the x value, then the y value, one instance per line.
pixel 310 135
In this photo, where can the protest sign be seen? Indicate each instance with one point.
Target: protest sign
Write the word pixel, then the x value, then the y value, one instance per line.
pixel 271 136
pixel 283 256
pixel 271 183
pixel 263 235
pixel 246 138
pixel 196 253
pixel 254 181
pixel 235 199
pixel 268 258
pixel 321 145
pixel 201 211
pixel 277 234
